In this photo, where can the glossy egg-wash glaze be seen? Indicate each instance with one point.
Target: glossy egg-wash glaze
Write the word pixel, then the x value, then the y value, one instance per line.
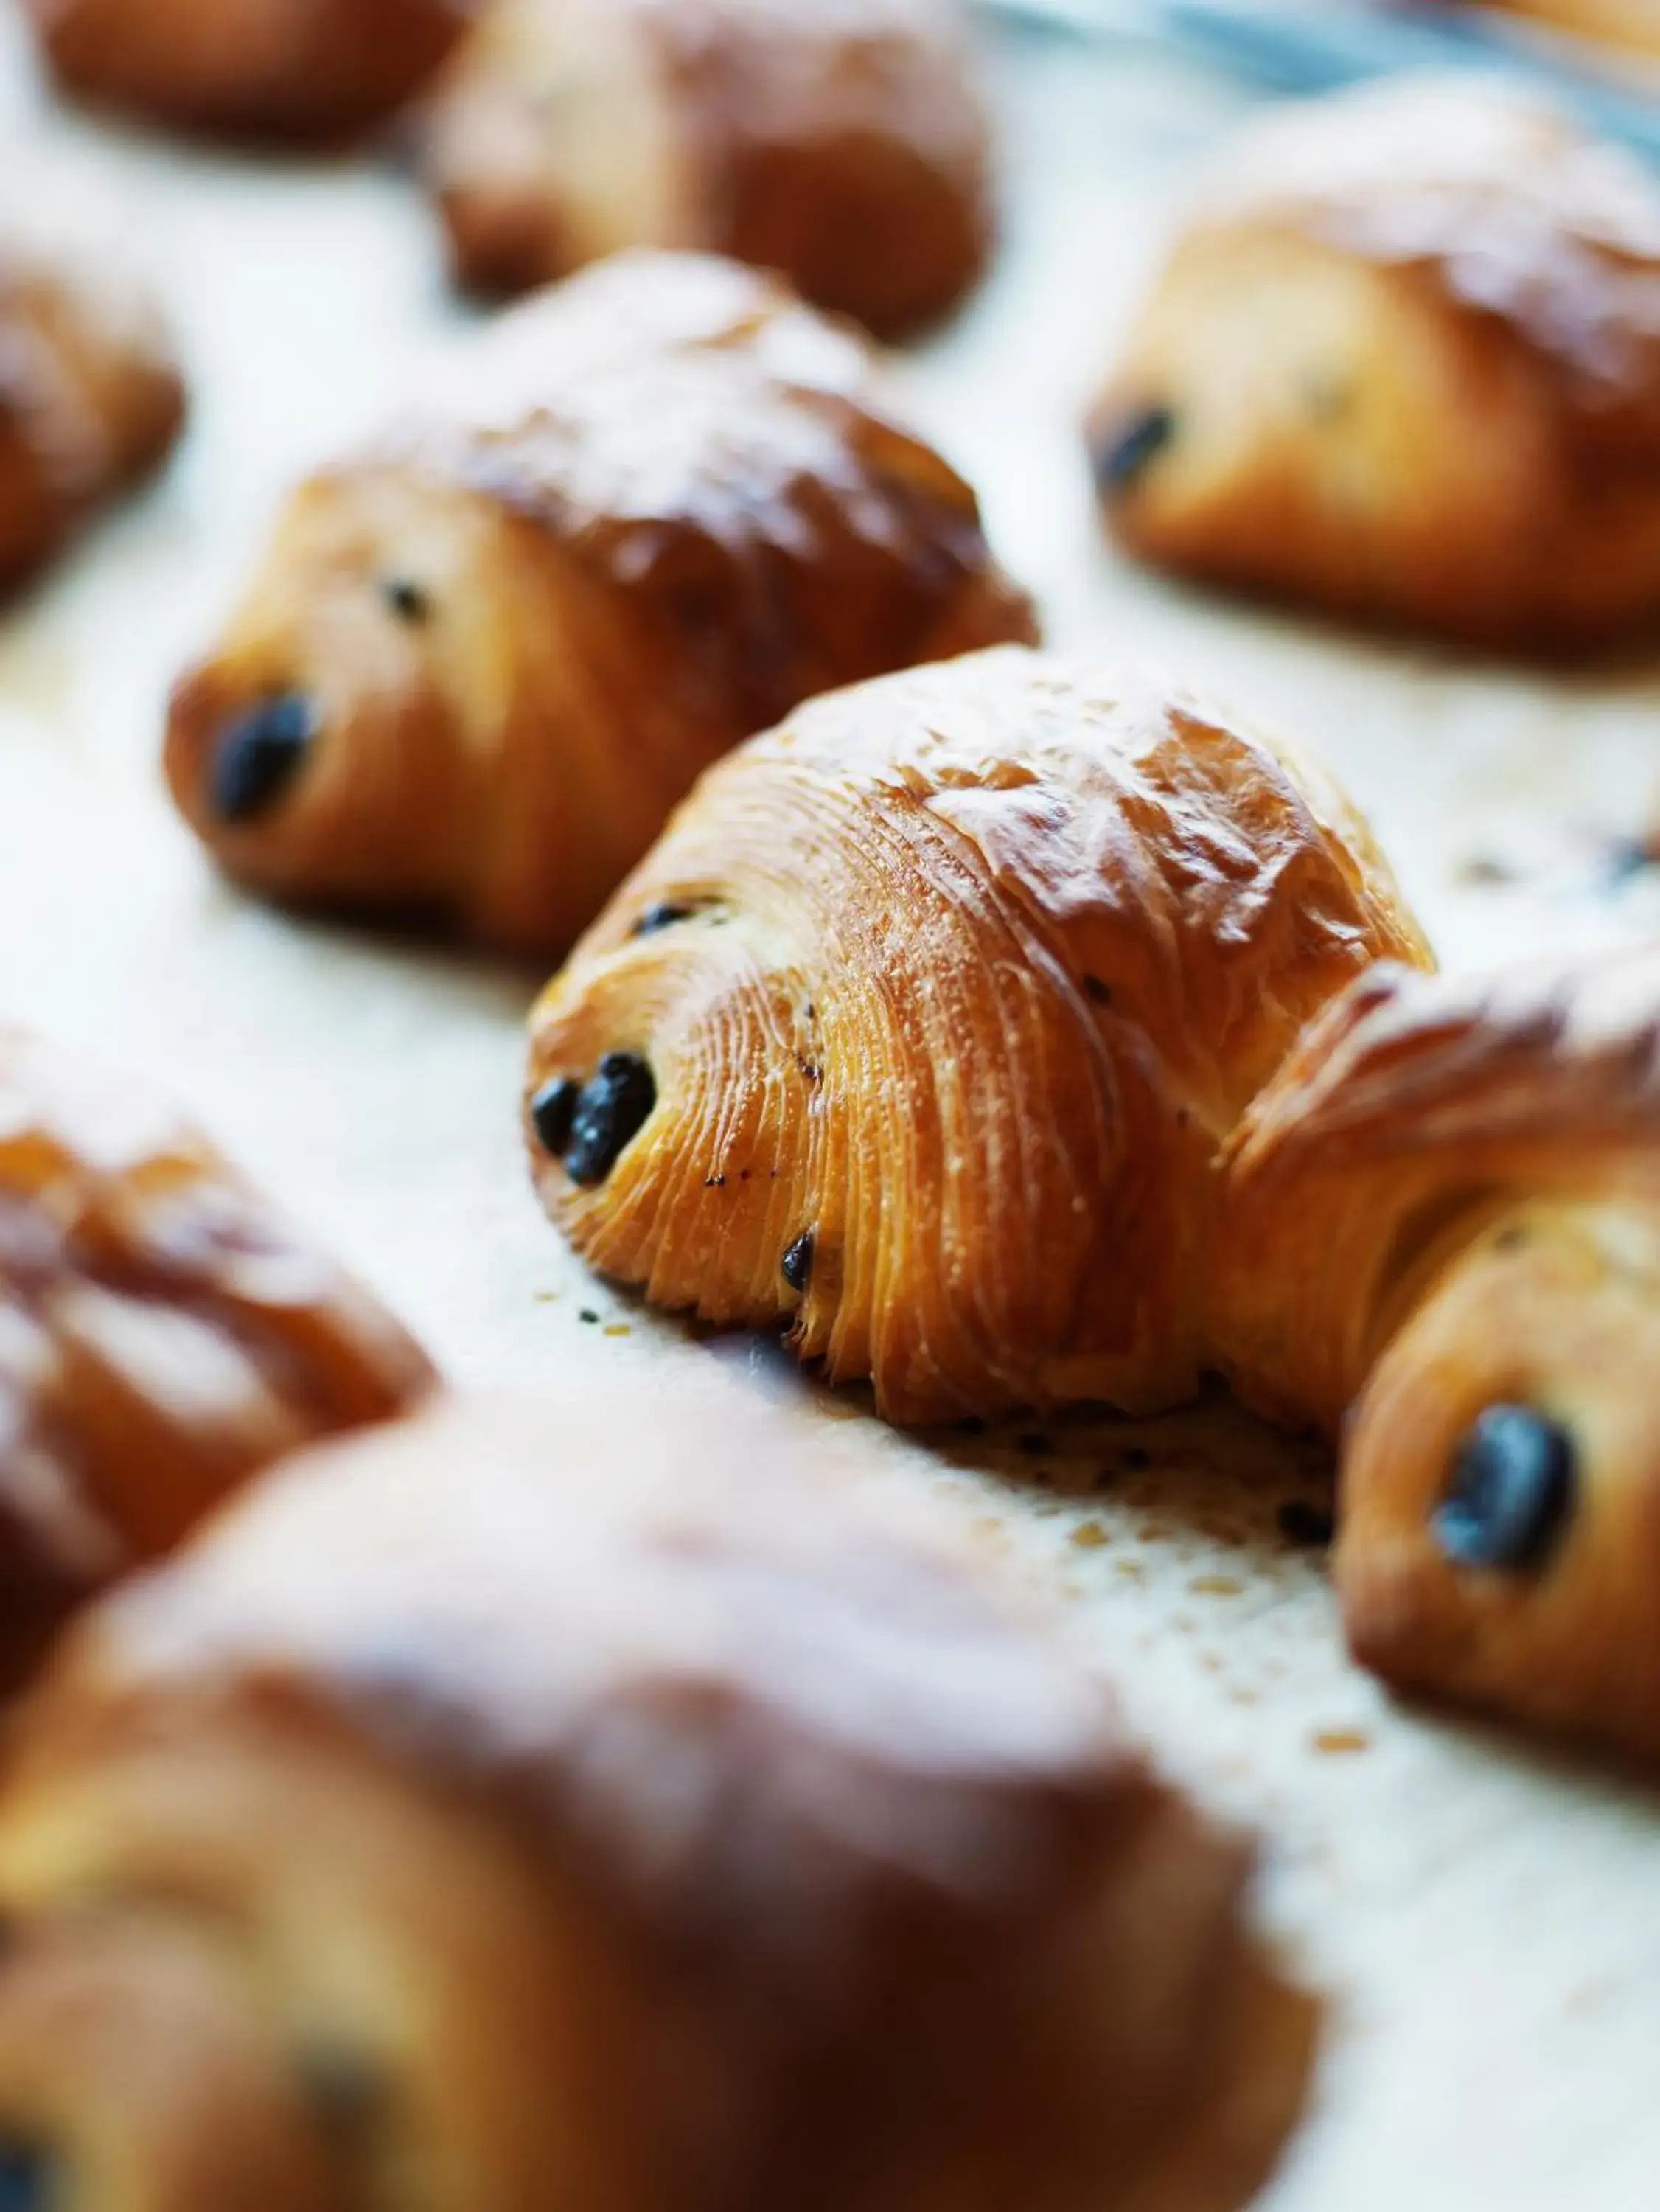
pixel 1407 347
pixel 979 964
pixel 1447 1209
pixel 164 1335
pixel 642 517
pixel 300 69
pixel 841 142
pixel 686 1824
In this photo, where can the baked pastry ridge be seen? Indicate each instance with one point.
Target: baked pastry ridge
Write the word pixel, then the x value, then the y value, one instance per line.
pixel 164 1335
pixel 518 1810
pixel 920 1029
pixel 841 142
pixel 644 516
pixel 1404 364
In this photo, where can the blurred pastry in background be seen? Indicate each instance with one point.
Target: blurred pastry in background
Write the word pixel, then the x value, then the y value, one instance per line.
pixel 843 142
pixel 1622 23
pixel 91 398
pixel 1403 363
pixel 164 1334
pixel 1442 1237
pixel 300 69
pixel 485 656
pixel 921 1028
pixel 554 1806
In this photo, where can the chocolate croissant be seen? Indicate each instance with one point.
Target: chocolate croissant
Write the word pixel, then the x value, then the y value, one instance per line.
pixel 163 1334
pixel 843 144
pixel 1445 1214
pixel 90 396
pixel 485 657
pixel 1403 365
pixel 920 1029
pixel 297 70
pixel 520 1809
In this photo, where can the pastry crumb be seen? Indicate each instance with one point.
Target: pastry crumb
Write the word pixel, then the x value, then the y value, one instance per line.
pixel 1340 1743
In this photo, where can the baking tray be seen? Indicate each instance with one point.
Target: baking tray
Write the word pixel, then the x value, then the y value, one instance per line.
pixel 1485 1918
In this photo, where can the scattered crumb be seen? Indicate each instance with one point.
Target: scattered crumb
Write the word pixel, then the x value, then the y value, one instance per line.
pixel 1216 1586
pixel 618 1328
pixel 589 1315
pixel 1340 1743
pixel 1132 1568
pixel 548 1298
pixel 1089 1536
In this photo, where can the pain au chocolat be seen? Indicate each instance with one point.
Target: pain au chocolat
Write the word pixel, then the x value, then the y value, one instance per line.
pixel 91 398
pixel 486 655
pixel 1402 364
pixel 303 70
pixel 164 1334
pixel 841 142
pixel 1443 1222
pixel 533 1808
pixel 921 1028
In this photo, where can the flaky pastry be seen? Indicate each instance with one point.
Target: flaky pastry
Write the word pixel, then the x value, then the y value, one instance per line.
pixel 920 1029
pixel 524 1809
pixel 90 396
pixel 304 69
pixel 841 142
pixel 164 1334
pixel 1445 1214
pixel 646 515
pixel 1404 364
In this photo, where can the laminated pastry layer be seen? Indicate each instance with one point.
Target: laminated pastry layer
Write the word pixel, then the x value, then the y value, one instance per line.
pixel 920 1029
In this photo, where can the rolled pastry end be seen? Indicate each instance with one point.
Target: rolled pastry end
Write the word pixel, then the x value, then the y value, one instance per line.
pixel 1500 1537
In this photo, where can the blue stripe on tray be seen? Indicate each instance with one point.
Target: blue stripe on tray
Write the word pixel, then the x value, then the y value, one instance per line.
pixel 1314 46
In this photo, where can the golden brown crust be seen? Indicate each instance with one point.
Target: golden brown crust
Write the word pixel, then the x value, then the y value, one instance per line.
pixel 968 973
pixel 90 397
pixel 687 1826
pixel 1410 1102
pixel 841 142
pixel 163 1334
pixel 303 70
pixel 1449 1203
pixel 1451 418
pixel 645 516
